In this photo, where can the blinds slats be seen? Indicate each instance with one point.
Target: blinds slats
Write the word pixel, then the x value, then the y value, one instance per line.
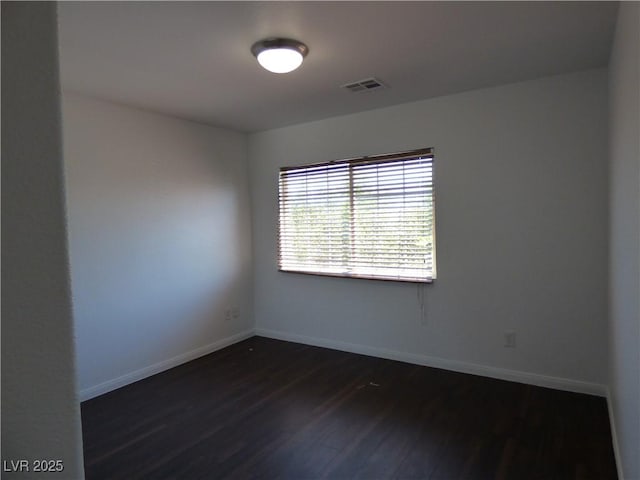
pixel 370 218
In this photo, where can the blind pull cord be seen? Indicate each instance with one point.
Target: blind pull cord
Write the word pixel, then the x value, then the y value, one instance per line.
pixel 422 303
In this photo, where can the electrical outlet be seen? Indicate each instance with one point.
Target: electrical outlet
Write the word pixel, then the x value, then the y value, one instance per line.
pixel 510 339
pixel 227 314
pixel 235 313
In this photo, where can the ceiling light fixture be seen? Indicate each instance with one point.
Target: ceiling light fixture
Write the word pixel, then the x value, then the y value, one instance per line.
pixel 279 55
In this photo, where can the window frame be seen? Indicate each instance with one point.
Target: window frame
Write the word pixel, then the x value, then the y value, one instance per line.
pixel 374 159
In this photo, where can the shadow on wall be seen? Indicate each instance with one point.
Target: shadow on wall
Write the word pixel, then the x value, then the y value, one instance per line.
pixel 159 236
pixel 154 291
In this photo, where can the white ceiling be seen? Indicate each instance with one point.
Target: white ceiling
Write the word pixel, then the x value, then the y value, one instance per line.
pixel 192 59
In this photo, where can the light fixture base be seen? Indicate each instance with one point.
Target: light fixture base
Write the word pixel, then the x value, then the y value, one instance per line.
pixel 275 43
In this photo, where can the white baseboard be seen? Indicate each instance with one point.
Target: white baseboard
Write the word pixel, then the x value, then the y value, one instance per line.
pixel 417 359
pixel 614 436
pixel 557 383
pixel 145 372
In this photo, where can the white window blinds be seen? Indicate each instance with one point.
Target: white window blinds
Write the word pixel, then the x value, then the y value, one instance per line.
pixel 370 218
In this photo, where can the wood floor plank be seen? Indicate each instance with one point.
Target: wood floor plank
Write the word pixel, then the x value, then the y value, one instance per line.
pixel 268 409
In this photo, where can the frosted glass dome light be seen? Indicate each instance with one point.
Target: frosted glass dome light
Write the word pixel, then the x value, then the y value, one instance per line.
pixel 280 60
pixel 279 55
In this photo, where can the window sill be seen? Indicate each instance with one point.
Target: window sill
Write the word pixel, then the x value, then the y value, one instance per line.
pixel 363 277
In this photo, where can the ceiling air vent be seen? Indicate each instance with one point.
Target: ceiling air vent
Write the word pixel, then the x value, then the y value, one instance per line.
pixel 368 84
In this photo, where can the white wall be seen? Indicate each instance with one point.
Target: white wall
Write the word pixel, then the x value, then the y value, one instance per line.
pixel 625 238
pixel 521 207
pixel 40 410
pixel 160 239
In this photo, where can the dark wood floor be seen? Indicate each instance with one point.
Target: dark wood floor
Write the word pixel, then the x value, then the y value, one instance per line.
pixel 269 409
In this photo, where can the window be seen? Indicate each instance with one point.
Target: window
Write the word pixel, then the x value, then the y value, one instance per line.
pixel 371 217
